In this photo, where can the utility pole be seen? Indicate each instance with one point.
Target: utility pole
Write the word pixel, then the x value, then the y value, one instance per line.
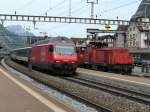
pixel 92 2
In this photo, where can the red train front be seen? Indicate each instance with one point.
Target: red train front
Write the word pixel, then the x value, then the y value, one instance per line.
pixel 56 54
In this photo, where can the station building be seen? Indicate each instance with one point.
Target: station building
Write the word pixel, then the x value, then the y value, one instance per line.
pixel 138 36
pixel 137 33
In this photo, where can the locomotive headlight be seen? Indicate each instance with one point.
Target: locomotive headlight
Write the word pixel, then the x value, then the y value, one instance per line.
pixel 73 62
pixel 57 61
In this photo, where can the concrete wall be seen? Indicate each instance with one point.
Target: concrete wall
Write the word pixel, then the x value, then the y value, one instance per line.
pixel 120 40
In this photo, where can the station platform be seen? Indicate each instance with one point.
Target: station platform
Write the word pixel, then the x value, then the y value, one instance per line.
pixel 15 96
pixel 140 80
pixel 138 71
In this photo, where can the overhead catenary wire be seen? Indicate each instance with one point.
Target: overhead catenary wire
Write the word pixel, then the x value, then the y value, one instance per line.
pixel 58 26
pixel 30 2
pixel 80 9
pixel 112 9
pixel 121 6
pixel 60 5
pixel 55 6
pixel 73 11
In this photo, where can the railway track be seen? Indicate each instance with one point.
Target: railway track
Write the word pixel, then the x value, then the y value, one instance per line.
pixel 136 74
pixel 46 81
pixel 61 84
pixel 133 95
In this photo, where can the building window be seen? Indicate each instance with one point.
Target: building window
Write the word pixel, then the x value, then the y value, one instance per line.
pixel 131 29
pixel 130 41
pixel 145 25
pixel 134 40
pixel 146 35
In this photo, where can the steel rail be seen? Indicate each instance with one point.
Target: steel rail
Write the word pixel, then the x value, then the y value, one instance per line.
pixel 130 94
pixel 42 81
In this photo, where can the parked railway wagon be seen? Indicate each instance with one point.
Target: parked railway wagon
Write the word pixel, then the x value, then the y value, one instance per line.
pixel 56 54
pixel 106 59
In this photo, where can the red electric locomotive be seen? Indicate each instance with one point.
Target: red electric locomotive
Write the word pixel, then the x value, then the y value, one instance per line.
pixel 56 54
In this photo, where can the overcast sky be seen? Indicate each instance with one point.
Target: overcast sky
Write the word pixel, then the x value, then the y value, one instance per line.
pixel 106 9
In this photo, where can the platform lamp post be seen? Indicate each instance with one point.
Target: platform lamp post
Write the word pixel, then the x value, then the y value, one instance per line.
pixel 92 2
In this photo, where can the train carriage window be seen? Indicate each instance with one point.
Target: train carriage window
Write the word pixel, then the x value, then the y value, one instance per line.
pixel 51 48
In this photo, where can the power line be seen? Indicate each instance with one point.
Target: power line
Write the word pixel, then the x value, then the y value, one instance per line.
pixel 70 7
pixel 121 6
pixel 57 5
pixel 72 11
pixel 78 9
pixel 26 5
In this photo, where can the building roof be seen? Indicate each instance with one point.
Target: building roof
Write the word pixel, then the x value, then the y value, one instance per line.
pixel 143 10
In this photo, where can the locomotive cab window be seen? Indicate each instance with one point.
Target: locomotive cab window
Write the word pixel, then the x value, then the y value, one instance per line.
pixel 65 50
pixel 51 48
pixel 77 51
